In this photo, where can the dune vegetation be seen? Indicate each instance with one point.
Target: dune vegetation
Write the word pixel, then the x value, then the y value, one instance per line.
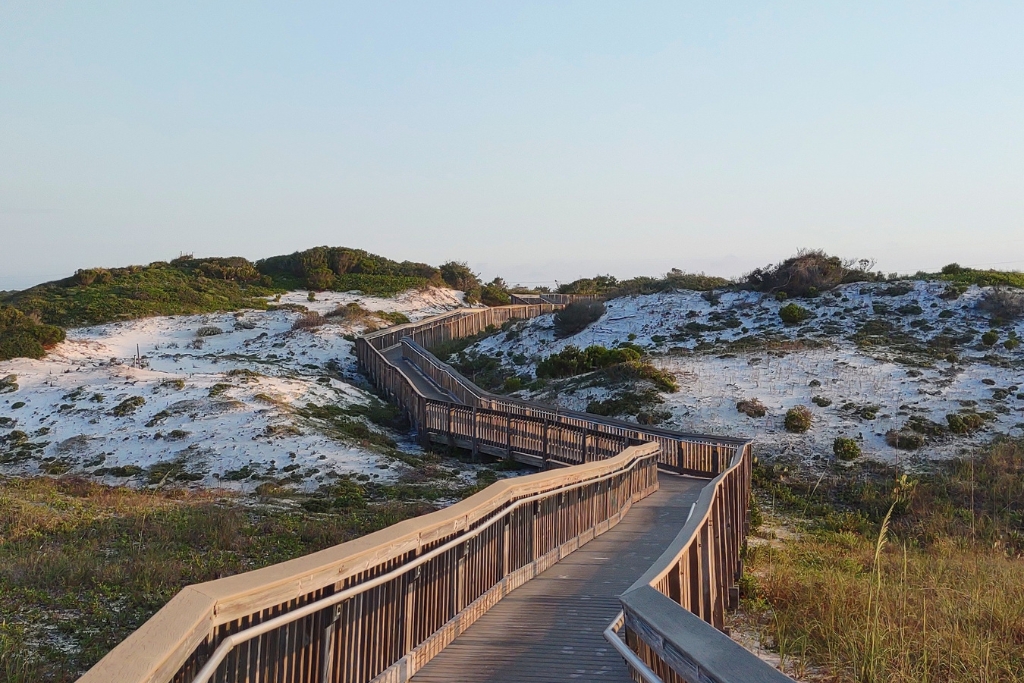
pixel 893 578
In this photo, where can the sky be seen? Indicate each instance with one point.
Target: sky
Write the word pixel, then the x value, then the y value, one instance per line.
pixel 537 141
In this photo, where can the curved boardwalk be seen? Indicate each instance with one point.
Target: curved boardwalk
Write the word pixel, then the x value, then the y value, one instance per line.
pixel 551 628
pixel 415 377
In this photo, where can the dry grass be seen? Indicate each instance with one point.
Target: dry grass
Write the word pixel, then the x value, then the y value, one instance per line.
pixel 83 565
pixel 931 590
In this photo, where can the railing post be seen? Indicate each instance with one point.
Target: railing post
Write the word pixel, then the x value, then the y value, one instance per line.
pixel 410 609
pixel 544 446
pixel 451 436
pixel 505 549
pixel 476 429
pixel 508 436
pixel 327 646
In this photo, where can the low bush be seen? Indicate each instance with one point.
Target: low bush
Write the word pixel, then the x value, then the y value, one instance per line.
pixel 457 275
pixel 609 287
pixel 495 293
pixel 793 314
pixel 630 402
pixel 751 407
pixel 1003 304
pixel 846 449
pixel 23 336
pixel 209 331
pixel 576 317
pixel 809 273
pixel 964 423
pixel 128 406
pixel 9 384
pixel 798 419
pixel 990 338
pixel 904 439
pixel 572 361
pixel 308 321
pixel 821 401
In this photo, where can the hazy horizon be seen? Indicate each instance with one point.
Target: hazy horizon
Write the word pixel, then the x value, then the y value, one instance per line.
pixel 535 142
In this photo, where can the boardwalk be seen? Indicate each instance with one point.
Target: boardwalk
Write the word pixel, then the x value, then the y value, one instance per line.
pixel 550 629
pixel 415 377
pixel 408 602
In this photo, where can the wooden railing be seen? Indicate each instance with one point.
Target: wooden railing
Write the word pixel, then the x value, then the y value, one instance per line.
pixel 377 608
pixel 681 452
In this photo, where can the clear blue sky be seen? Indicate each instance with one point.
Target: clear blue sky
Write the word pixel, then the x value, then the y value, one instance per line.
pixel 537 141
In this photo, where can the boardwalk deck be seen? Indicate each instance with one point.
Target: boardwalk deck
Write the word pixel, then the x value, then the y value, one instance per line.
pixel 418 379
pixel 551 628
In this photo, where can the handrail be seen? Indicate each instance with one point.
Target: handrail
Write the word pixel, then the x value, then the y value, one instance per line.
pixel 252 632
pixel 611 634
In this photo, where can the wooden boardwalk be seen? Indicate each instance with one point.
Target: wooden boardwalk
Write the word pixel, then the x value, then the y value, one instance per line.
pixel 425 386
pixel 551 628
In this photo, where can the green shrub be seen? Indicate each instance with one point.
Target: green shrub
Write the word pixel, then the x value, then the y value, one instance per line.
pixel 344 269
pixel 513 384
pixel 793 314
pixel 952 269
pixel 798 419
pixel 23 336
pixel 209 331
pixel 821 401
pixel 609 287
pixel 629 402
pixel 965 423
pixel 1011 343
pixel 652 417
pixel 846 449
pixel 572 361
pixel 495 293
pixel 128 406
pixel 457 275
pixel 990 338
pixel 575 317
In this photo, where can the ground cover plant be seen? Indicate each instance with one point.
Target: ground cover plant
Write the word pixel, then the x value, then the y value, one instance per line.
pixel 894 577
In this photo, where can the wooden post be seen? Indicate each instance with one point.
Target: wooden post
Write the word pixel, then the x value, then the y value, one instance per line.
pixel 508 436
pixel 451 436
pixel 410 608
pixel 476 447
pixel 327 645
pixel 544 445
pixel 505 550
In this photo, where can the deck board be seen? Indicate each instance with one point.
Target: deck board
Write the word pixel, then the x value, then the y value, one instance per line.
pixel 551 628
